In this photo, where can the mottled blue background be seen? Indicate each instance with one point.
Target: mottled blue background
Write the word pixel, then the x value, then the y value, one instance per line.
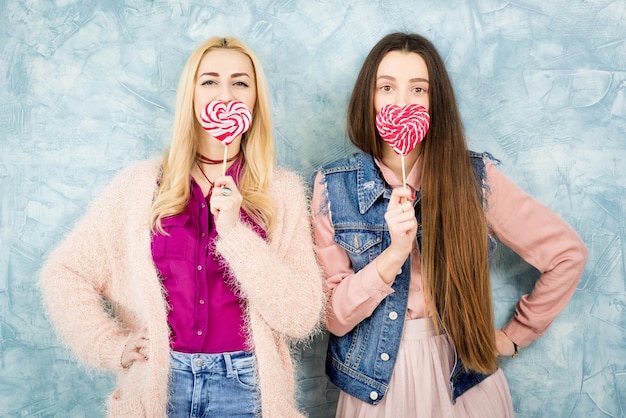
pixel 88 86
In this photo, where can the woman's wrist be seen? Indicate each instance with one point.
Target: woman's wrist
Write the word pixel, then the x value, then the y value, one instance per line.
pixel 389 264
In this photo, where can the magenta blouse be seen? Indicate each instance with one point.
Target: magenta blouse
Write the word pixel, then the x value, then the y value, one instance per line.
pixel 205 314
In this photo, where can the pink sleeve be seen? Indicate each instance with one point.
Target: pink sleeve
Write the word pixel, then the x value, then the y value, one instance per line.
pixel 353 296
pixel 545 241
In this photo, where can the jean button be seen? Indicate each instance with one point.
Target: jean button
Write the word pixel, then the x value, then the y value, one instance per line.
pixel 198 362
pixel 373 395
pixel 384 357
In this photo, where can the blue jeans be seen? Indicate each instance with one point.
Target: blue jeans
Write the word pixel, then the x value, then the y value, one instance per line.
pixel 213 385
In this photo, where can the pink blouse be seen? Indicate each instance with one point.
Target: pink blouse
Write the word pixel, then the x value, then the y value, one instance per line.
pixel 519 221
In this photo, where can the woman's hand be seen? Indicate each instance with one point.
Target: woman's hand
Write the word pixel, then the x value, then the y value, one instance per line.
pixel 136 348
pixel 400 218
pixel 225 204
pixel 504 344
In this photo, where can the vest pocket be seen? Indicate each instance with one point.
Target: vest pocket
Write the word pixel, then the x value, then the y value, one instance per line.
pixel 357 242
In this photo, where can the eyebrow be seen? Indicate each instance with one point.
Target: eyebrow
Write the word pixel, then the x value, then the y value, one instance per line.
pixel 233 75
pixel 413 80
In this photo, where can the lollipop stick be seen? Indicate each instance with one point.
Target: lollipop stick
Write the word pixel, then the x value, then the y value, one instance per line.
pixel 403 172
pixel 224 164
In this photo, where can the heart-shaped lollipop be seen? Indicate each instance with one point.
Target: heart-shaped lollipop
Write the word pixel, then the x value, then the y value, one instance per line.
pixel 226 121
pixel 403 127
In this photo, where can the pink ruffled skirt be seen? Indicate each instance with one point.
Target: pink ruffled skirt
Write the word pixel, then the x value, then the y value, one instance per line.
pixel 419 384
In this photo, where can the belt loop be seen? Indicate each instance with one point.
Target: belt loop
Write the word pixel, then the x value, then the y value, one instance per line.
pixel 229 365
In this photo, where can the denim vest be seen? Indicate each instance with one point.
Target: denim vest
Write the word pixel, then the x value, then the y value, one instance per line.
pixel 361 362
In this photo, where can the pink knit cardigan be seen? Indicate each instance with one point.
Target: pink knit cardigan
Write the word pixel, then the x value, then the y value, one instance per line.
pixel 107 258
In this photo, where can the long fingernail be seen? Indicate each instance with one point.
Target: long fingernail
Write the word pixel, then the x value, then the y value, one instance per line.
pixel 412 197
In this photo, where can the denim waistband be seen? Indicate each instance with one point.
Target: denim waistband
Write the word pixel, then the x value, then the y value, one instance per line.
pixel 214 363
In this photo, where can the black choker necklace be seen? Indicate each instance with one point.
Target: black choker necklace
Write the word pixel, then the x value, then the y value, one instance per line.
pixel 206 160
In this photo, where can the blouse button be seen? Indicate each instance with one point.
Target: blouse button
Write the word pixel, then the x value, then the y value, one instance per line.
pixel 199 267
pixel 373 395
pixel 203 235
pixel 201 301
pixel 199 332
pixel 384 357
pixel 393 315
pixel 202 205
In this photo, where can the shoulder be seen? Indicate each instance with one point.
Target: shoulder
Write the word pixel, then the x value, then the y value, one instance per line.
pixel 483 156
pixel 285 175
pixel 138 174
pixel 136 182
pixel 285 181
pixel 140 171
pixel 347 163
pixel 482 162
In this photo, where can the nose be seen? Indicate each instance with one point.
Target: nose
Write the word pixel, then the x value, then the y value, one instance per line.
pixel 225 95
pixel 402 99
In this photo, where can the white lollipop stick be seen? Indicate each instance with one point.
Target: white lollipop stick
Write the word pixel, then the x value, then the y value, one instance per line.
pixel 403 171
pixel 225 157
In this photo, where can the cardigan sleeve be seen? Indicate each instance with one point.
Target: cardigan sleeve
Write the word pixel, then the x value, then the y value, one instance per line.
pixel 73 283
pixel 279 277
pixel 545 241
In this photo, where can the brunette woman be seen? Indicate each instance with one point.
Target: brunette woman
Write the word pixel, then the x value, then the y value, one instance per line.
pixel 407 268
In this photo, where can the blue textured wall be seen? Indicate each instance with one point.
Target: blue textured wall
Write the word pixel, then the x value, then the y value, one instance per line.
pixel 88 86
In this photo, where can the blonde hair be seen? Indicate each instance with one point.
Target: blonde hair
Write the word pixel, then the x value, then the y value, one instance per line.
pixel 257 145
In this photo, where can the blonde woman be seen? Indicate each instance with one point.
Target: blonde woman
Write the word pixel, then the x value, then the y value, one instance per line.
pixel 188 283
pixel 407 268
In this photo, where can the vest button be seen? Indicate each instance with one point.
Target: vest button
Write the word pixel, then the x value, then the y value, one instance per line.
pixel 393 315
pixel 373 395
pixel 384 357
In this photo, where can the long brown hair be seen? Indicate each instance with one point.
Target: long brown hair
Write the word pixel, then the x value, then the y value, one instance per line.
pixel 257 145
pixel 455 259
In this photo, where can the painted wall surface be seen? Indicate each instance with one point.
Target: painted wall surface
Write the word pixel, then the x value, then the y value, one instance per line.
pixel 86 87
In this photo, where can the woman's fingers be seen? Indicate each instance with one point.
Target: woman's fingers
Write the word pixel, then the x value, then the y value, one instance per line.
pixel 225 204
pixel 136 349
pixel 400 196
pixel 400 218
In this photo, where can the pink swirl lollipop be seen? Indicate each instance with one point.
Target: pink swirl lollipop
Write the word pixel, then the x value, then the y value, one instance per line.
pixel 403 127
pixel 226 121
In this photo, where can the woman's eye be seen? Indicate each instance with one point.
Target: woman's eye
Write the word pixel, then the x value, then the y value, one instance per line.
pixel 385 88
pixel 241 84
pixel 209 82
